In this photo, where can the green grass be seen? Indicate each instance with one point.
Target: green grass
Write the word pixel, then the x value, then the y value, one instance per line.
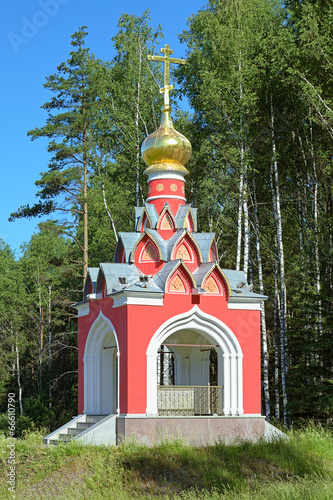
pixel 301 468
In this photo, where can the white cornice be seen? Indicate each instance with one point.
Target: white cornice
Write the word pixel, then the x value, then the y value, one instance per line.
pixel 165 175
pixel 82 309
pixel 249 304
pixel 167 196
pixel 138 299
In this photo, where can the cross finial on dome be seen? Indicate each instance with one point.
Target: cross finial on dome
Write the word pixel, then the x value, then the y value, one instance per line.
pixel 166 60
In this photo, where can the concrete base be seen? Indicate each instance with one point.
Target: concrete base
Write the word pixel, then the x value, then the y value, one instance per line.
pixel 197 431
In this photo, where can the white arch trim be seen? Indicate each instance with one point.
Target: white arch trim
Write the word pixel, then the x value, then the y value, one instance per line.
pixel 211 328
pixel 92 364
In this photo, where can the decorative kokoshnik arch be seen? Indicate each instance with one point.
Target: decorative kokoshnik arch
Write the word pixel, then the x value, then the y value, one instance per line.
pixel 212 329
pixel 100 364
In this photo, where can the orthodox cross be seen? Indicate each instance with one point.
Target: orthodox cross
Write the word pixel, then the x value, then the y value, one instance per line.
pixel 166 60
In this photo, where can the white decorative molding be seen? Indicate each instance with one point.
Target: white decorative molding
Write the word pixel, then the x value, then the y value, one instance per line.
pixel 217 333
pixel 171 196
pixel 92 359
pixel 244 304
pixel 94 296
pixel 137 299
pixel 82 309
pixel 165 175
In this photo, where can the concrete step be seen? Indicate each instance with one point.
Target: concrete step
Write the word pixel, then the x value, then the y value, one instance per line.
pixel 74 429
pixel 92 419
pixel 82 426
pixel 65 437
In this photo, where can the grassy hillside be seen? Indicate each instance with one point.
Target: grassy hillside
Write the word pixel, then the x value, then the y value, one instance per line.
pixel 301 468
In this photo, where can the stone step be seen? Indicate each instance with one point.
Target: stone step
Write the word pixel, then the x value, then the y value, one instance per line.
pixel 65 437
pixel 92 419
pixel 74 431
pixel 84 425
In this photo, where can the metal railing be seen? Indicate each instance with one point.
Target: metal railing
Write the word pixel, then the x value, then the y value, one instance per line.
pixel 186 400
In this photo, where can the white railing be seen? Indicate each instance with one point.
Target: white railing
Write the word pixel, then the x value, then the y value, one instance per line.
pixel 182 400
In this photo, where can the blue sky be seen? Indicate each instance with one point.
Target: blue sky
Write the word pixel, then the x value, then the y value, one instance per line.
pixel 35 37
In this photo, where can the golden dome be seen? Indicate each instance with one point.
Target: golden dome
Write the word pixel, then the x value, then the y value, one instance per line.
pixel 166 149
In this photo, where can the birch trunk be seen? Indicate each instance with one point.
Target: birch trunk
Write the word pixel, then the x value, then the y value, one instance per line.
pixel 246 230
pixel 239 223
pixel 241 180
pixel 299 204
pixel 265 356
pixel 50 344
pixel 108 212
pixel 243 206
pixel 283 298
pixel 41 331
pixel 316 231
pixel 19 377
pixel 276 340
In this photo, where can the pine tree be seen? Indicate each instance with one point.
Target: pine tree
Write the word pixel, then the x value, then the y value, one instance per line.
pixel 64 187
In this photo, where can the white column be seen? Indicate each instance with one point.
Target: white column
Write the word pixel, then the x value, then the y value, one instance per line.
pixel 97 386
pixel 226 380
pixel 86 378
pixel 118 381
pixel 234 384
pixel 240 410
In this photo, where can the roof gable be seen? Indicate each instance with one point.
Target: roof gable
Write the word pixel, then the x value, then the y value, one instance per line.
pixel 185 211
pixel 163 277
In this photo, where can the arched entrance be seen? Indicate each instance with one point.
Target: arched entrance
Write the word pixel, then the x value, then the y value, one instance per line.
pixel 101 369
pixel 196 329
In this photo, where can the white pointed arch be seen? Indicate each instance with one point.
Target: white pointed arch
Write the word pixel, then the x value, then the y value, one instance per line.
pixel 213 330
pixel 95 386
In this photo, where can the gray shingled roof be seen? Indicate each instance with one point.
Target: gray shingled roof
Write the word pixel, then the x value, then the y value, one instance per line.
pixel 168 269
pixel 204 241
pixel 239 286
pixel 138 213
pixel 201 272
pixel 92 273
pixel 153 215
pixel 173 240
pixel 151 212
pixel 183 210
pixel 128 241
pixel 141 287
pixel 162 276
pixel 112 273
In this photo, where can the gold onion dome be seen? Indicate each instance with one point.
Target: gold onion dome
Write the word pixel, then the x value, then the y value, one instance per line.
pixel 166 148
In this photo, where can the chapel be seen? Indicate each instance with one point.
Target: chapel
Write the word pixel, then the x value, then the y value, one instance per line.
pixel 168 340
